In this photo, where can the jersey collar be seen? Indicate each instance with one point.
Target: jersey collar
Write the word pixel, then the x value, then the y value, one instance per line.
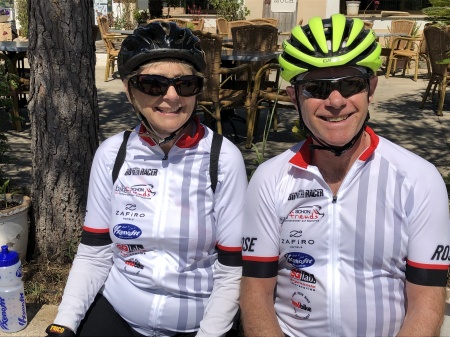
pixel 185 141
pixel 303 157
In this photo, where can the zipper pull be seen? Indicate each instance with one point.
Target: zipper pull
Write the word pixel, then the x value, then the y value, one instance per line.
pixel 334 199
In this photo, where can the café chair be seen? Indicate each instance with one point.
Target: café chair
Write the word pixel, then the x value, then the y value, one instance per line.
pixel 237 23
pixel 216 96
pixel 398 28
pixel 265 95
pixel 112 44
pixel 265 21
pixel 438 40
pixel 406 49
pixel 222 27
pixel 255 38
pixel 198 24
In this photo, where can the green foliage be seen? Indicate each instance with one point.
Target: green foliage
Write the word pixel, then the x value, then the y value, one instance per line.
pixel 439 11
pixel 141 16
pixel 22 16
pixel 7 80
pixel 231 10
pixel 299 131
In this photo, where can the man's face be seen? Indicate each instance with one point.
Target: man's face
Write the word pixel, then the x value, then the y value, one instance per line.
pixel 334 111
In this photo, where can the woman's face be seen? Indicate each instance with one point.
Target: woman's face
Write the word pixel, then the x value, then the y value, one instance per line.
pixel 168 112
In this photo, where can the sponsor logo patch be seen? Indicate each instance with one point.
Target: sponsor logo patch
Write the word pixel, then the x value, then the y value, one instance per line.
pixel 130 213
pixel 137 171
pixel 304 214
pixel 129 250
pixel 301 304
pixel 302 279
pixel 313 193
pixel 126 231
pixel 299 260
pixel 441 253
pixel 144 191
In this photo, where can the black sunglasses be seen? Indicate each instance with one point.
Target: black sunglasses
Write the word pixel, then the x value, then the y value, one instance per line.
pixel 321 89
pixel 156 85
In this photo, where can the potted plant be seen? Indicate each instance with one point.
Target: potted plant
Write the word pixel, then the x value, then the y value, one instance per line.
pixel 14 207
pixel 4 14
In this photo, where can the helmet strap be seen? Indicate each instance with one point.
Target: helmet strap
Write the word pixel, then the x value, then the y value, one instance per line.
pixel 337 150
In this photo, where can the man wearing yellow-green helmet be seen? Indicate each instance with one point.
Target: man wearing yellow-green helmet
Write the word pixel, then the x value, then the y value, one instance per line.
pixel 345 233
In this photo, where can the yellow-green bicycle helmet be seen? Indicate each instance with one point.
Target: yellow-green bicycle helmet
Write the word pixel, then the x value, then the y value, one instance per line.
pixel 324 43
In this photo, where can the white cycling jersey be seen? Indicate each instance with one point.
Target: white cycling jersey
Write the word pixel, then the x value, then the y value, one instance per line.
pixel 169 238
pixel 341 261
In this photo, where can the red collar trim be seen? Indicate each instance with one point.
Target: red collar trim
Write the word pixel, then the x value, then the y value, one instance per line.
pixel 303 157
pixel 185 141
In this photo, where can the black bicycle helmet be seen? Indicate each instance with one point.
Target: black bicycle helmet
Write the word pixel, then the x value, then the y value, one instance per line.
pixel 323 43
pixel 159 40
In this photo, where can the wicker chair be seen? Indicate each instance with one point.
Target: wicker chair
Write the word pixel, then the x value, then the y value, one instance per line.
pixel 265 94
pixel 265 21
pixel 112 43
pixel 222 27
pixel 438 40
pixel 238 23
pixel 215 97
pixel 402 27
pixel 406 49
pixel 255 38
pixel 199 25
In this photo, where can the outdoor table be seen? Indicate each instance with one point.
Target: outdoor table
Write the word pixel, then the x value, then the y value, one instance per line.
pixel 121 31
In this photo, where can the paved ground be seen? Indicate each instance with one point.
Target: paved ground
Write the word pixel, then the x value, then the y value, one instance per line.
pixel 395 114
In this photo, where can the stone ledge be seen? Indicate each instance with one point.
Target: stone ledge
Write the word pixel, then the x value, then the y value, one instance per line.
pixel 39 317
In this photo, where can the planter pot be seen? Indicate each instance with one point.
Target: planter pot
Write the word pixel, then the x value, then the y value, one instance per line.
pixel 352 8
pixel 14 224
pixel 4 18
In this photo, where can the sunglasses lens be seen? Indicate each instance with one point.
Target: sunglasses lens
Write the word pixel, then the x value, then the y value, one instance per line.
pixel 352 86
pixel 155 85
pixel 152 85
pixel 321 89
pixel 189 85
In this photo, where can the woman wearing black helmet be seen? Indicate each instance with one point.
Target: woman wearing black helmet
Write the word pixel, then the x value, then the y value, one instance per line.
pixel 160 253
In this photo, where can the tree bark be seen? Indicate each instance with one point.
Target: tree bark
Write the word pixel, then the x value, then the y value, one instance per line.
pixel 64 121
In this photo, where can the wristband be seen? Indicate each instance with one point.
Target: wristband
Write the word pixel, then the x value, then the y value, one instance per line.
pixel 55 330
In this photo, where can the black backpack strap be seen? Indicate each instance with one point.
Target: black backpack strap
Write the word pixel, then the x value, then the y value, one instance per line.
pixel 121 154
pixel 214 159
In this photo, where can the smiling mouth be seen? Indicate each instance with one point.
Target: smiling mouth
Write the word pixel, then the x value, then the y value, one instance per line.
pixel 169 111
pixel 335 119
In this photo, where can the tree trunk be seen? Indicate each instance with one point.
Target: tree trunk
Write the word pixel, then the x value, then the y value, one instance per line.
pixel 64 121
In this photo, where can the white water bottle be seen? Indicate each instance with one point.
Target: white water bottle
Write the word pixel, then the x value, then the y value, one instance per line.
pixel 13 313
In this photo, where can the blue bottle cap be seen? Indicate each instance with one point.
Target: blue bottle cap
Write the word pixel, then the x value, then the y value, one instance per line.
pixel 7 257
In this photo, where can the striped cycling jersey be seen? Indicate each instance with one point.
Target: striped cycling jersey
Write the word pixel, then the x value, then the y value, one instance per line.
pixel 166 227
pixel 341 261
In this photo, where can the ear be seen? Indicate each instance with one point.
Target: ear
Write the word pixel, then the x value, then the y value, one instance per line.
pixel 373 86
pixel 125 84
pixel 291 92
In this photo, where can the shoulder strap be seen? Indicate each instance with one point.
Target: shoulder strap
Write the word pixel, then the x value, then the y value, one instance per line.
pixel 121 154
pixel 214 159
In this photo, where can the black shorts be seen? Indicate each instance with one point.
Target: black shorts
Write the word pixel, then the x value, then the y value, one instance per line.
pixel 102 320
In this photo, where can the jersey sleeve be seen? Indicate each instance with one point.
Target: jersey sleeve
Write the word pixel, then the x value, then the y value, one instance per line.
pixel 229 201
pixel 98 209
pixel 261 230
pixel 429 231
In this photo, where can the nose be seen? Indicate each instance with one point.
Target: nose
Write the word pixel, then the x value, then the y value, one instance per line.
pixel 335 99
pixel 171 93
